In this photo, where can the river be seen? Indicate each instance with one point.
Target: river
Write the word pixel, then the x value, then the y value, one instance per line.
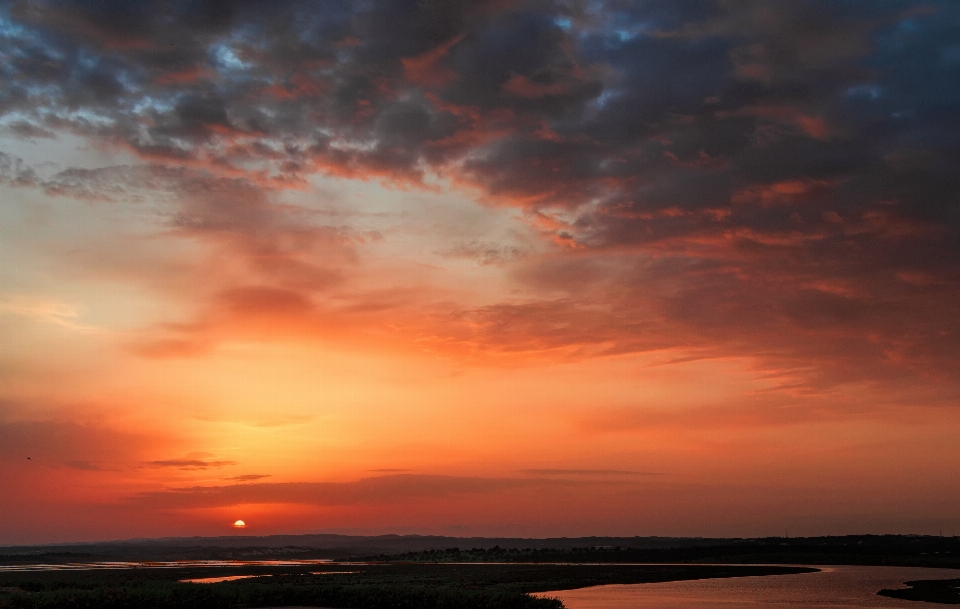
pixel 839 587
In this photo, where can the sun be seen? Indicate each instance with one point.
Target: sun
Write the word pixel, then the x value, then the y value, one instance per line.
pixel 239 524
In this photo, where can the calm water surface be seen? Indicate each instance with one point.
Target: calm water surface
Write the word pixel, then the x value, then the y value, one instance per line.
pixel 217 580
pixel 158 564
pixel 832 587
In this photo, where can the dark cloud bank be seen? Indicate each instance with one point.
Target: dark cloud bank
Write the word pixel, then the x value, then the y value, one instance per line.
pixel 781 179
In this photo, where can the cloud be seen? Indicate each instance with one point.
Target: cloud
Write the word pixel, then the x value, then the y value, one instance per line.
pixel 486 253
pixel 587 472
pixel 189 464
pixel 708 168
pixel 15 172
pixel 247 477
pixel 387 489
pixel 50 311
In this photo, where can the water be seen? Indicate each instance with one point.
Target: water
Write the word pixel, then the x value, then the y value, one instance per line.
pixel 172 564
pixel 217 580
pixel 839 587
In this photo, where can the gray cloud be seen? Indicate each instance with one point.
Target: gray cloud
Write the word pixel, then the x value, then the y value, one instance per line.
pixel 775 178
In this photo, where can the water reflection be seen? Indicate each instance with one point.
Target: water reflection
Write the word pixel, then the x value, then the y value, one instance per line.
pixel 840 587
pixel 332 572
pixel 172 564
pixel 217 580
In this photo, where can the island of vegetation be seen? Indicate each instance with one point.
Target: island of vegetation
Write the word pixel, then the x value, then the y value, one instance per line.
pixel 945 591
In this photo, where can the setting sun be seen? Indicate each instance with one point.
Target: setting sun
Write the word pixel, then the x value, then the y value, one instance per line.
pixel 239 524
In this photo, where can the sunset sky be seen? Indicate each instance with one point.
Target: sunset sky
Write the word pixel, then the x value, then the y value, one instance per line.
pixel 538 268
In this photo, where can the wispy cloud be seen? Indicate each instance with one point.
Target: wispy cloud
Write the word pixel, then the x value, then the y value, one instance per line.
pixel 189 464
pixel 587 472
pixel 247 477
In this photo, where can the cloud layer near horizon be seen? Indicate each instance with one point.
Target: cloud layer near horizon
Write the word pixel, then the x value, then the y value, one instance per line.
pixel 766 186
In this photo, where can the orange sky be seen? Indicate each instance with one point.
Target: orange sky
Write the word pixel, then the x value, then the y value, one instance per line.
pixel 492 301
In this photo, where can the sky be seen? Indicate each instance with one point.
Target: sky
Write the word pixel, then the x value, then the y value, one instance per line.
pixel 525 268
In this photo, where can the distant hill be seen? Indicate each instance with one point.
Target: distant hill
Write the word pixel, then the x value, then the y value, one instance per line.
pixel 313 546
pixel 849 549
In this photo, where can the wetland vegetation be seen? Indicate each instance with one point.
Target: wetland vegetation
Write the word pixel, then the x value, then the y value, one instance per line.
pixel 375 586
